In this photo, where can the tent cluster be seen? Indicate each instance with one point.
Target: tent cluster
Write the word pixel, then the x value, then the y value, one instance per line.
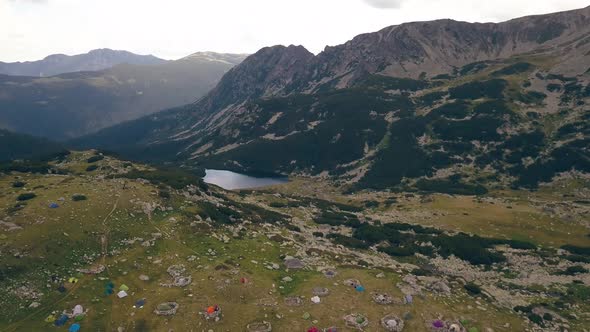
pixel 77 315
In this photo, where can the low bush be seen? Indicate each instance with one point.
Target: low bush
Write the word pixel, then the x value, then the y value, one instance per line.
pixel 472 288
pixel 91 168
pixel 26 196
pixel 95 158
pixel 79 197
pixel 18 184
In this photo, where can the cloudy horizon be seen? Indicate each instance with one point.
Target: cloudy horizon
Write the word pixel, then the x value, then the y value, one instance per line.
pixel 33 29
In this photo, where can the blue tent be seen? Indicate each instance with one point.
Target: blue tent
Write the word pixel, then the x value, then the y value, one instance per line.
pixel 140 303
pixel 74 328
pixel 61 321
pixel 359 288
pixel 53 206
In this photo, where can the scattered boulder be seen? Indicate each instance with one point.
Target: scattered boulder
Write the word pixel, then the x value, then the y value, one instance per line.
pixel 320 291
pixel 382 298
pixel 330 273
pixel 293 301
pixel 259 327
pixel 166 309
pixel 294 264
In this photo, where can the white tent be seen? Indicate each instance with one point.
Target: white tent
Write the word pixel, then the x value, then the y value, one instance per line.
pixel 122 294
pixel 78 310
pixel 315 299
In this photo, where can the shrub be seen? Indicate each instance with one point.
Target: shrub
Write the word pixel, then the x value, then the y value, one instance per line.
pixel 91 168
pixel 516 68
pixel 472 288
pixel 585 251
pixel 78 197
pixel 94 159
pixel 26 196
pixel 348 241
pixel 535 319
pixel 18 184
pixel 293 228
pixel 175 178
pixel 164 194
pixel 479 89
pixel 573 270
pixel 318 234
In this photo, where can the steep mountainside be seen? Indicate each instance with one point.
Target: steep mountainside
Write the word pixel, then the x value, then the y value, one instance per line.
pixel 424 105
pixel 73 104
pixel 60 63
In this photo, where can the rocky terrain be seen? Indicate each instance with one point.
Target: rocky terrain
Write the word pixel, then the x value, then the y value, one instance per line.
pixel 420 105
pixel 140 248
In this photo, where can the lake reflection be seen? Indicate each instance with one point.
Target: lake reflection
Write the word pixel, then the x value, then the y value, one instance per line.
pixel 232 180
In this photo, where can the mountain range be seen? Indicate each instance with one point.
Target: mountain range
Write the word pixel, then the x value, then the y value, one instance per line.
pixel 419 105
pixel 80 102
pixel 56 64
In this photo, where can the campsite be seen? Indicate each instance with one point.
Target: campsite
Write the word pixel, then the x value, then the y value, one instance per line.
pixel 127 258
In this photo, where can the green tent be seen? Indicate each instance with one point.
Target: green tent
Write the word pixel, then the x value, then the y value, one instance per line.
pixel 124 287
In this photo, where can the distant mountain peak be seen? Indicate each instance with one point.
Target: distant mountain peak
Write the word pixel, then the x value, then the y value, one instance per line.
pixel 94 60
pixel 228 58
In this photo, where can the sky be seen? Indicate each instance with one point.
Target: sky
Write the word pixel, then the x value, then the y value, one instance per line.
pixel 171 29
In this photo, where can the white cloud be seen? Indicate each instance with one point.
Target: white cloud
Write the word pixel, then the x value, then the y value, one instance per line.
pixel 387 4
pixel 175 28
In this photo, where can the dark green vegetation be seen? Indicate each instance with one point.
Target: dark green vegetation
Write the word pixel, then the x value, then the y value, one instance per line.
pixel 18 146
pixel 404 239
pixel 26 196
pixel 175 178
pixel 79 197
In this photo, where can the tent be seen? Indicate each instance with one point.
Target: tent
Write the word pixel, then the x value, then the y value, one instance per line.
pixel 108 291
pixel 122 294
pixel 61 288
pixel 74 328
pixel 61 321
pixel 53 206
pixel 313 329
pixel 123 287
pixel 359 288
pixel 315 299
pixel 409 299
pixel 50 319
pixel 139 303
pixel 72 280
pixel 438 324
pixel 79 318
pixel 78 310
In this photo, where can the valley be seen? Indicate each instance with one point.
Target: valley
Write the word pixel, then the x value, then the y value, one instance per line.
pixel 235 247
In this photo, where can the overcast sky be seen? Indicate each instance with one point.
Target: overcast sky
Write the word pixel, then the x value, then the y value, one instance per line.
pixel 32 29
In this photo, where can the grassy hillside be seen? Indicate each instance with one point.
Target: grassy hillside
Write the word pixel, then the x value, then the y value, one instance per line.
pixel 130 222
